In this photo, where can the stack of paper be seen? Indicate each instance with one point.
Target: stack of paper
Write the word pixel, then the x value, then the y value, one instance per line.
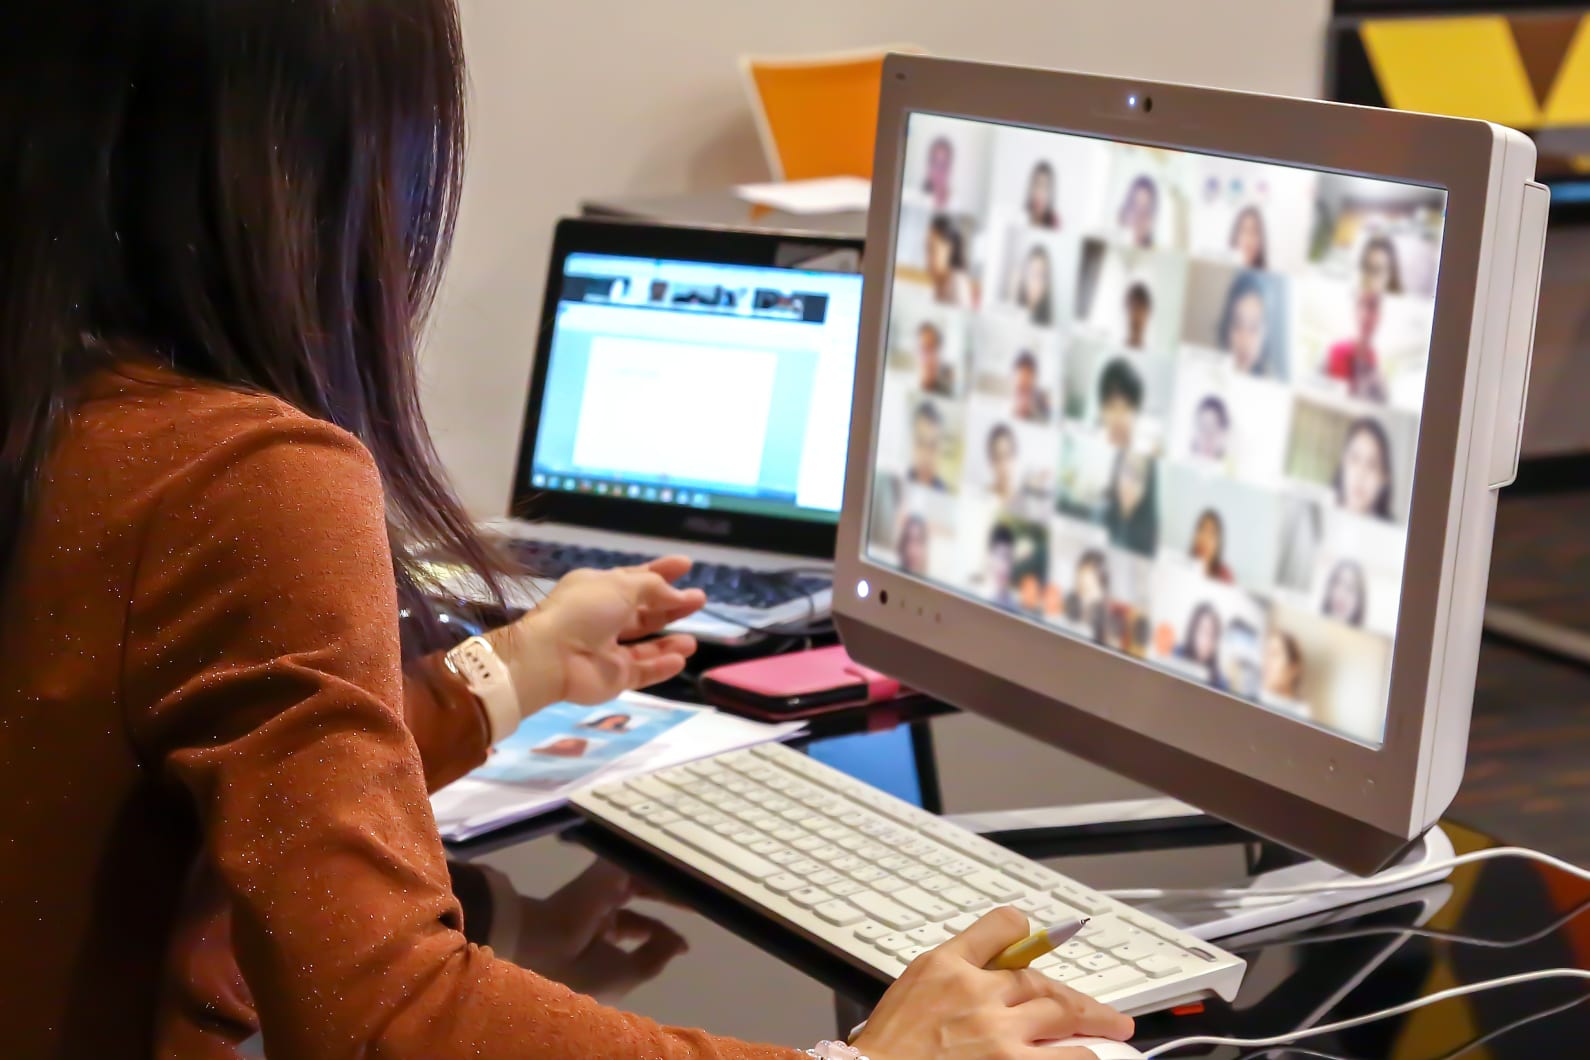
pixel 557 751
pixel 820 195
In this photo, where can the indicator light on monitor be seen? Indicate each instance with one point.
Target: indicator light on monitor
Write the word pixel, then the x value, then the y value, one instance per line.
pixel 863 590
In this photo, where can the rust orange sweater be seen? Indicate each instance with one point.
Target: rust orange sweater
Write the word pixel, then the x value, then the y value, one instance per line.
pixel 199 659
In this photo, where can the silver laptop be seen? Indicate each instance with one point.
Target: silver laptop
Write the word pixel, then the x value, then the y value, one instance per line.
pixel 691 394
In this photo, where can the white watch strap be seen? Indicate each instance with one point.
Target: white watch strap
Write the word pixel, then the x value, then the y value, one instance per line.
pixel 486 675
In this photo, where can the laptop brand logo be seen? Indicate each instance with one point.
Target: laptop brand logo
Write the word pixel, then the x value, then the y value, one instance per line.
pixel 702 524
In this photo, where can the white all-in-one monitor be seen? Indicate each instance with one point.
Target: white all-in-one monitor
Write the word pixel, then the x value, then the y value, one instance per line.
pixel 1179 420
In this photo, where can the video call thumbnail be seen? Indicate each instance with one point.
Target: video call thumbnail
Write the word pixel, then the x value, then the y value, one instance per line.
pixel 1164 402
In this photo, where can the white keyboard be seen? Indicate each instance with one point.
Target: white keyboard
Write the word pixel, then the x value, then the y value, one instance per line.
pixel 876 881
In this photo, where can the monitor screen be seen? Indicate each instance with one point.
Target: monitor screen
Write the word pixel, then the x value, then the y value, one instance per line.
pixel 1160 401
pixel 700 384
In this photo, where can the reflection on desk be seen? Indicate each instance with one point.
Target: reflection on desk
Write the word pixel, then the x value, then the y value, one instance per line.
pixel 1490 920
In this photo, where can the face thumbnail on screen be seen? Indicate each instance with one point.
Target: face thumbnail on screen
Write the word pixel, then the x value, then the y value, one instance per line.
pixel 1162 401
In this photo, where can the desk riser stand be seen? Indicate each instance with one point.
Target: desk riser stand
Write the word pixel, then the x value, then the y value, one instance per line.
pixel 1165 824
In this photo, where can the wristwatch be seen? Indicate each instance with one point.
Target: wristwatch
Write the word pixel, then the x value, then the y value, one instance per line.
pixel 484 673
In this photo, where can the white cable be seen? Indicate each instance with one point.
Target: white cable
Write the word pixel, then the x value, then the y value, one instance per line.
pixel 1344 1025
pixel 1369 883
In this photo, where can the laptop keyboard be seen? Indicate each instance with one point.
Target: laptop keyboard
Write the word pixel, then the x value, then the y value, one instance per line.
pixel 724 585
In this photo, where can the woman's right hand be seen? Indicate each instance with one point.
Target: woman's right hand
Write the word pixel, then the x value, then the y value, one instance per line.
pixel 948 1006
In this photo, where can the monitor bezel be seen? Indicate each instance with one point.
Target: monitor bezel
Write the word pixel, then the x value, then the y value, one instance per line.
pixel 1345 779
pixel 811 538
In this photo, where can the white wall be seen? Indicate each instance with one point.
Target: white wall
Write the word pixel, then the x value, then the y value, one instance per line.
pixel 571 100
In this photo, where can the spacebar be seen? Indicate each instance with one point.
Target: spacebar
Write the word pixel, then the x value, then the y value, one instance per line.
pixel 719 849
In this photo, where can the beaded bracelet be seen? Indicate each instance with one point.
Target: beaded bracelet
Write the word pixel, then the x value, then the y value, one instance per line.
pixel 835 1051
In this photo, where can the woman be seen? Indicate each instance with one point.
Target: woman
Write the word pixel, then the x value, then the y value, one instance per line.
pixel 1140 211
pixel 1378 269
pixel 1249 243
pixel 1201 644
pixel 1131 511
pixel 1090 601
pixel 1346 594
pixel 1209 545
pixel 940 167
pixel 213 482
pixel 1002 474
pixel 1041 197
pixel 1033 293
pixel 913 545
pixel 1244 328
pixel 946 264
pixel 1282 668
pixel 1363 475
pixel 1353 360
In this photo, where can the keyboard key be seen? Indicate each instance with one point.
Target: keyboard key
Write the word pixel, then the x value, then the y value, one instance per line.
pixel 1032 874
pixel 619 795
pixel 870 931
pixel 844 888
pixel 787 834
pixel 1081 898
pixel 926 904
pixel 965 898
pixel 847 864
pixel 784 883
pixel 1075 950
pixel 1158 966
pixel 1099 985
pixel 777 804
pixel 1133 950
pixel 907 956
pixel 852 841
pixel 853 819
pixel 1054 913
pixel 826 852
pixel 824 878
pixel 809 897
pixel 808 843
pixel 765 846
pixel 957 924
pixel 1064 972
pixel 785 856
pixel 886 911
pixel 937 859
pixel 889 885
pixel 1030 905
pixel 710 818
pixel 645 809
pixel 868 874
pixel 805 867
pixel 915 873
pixel 894 943
pixel 999 888
pixel 1107 937
pixel 936 884
pixel 723 828
pixel 840 913
pixel 894 862
pixel 834 832
pixel 928 935
pixel 719 849
pixel 744 836
pixel 669 817
pixel 872 852
pixel 652 788
pixel 1098 962
pixel 961 868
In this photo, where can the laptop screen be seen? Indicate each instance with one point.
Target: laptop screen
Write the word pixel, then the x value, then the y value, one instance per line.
pixel 700 384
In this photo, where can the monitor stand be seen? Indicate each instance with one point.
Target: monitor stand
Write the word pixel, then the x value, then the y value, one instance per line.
pixel 1165 824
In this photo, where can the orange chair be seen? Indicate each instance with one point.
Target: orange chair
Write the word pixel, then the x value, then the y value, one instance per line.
pixel 817 115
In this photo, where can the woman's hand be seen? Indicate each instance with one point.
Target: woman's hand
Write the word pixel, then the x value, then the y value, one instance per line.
pixel 588 640
pixel 947 1005
pixel 584 937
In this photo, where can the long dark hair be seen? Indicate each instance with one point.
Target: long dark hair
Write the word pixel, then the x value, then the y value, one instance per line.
pixel 1377 434
pixel 258 195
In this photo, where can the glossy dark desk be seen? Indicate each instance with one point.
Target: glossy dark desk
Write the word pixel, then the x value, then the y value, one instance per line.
pixel 747 977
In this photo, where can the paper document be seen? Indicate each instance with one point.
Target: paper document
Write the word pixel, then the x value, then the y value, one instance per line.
pixel 557 751
pixel 822 195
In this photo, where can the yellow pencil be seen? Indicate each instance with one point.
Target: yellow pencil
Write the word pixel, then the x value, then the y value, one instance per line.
pixel 1045 940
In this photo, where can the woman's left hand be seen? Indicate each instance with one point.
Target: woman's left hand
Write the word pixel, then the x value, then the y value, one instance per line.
pixel 595 635
pixel 585 936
